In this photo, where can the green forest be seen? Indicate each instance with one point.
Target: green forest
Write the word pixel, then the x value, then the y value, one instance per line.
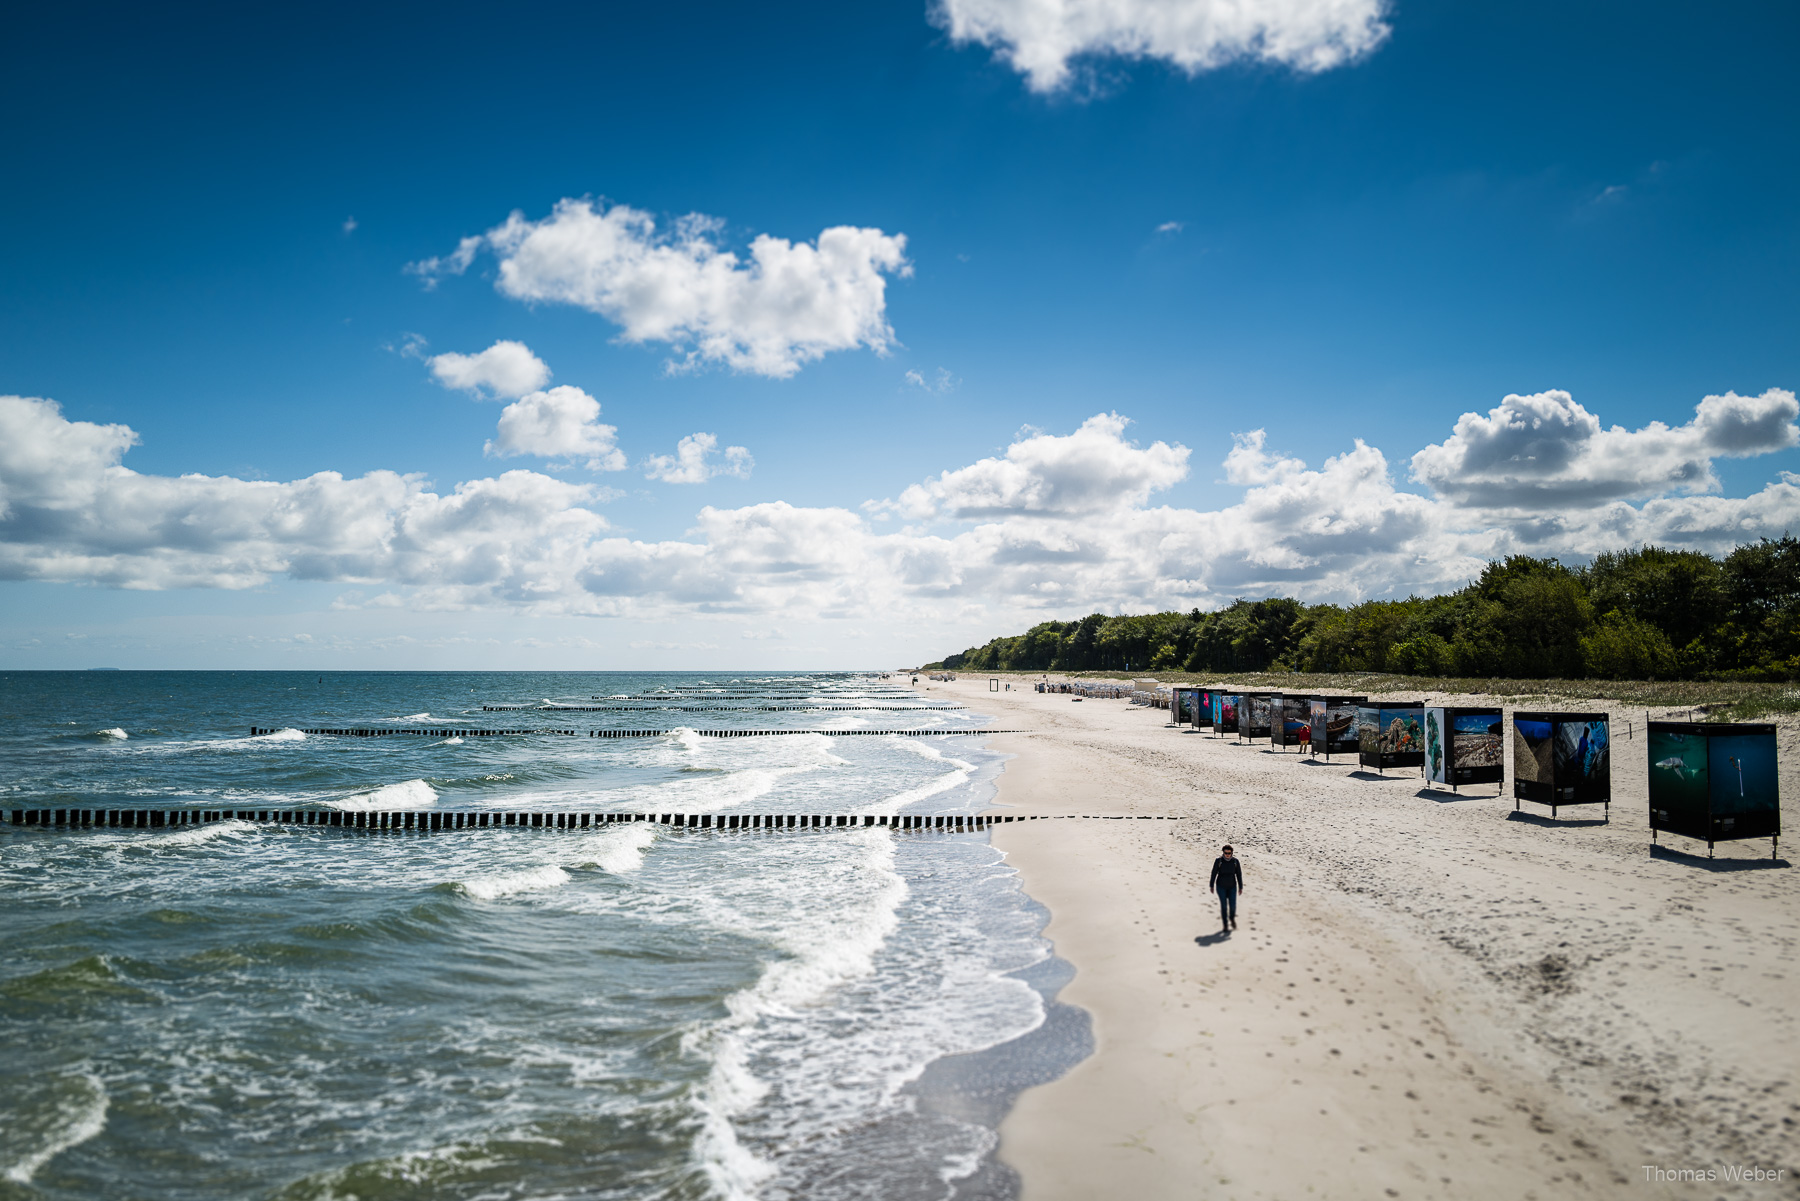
pixel 1645 614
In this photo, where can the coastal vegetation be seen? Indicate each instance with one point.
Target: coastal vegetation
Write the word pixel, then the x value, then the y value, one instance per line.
pixel 1644 615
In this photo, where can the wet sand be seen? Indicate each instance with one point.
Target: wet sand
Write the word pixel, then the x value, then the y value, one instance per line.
pixel 1429 995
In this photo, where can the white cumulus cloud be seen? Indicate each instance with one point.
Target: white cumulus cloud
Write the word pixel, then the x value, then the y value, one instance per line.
pixel 73 512
pixel 505 369
pixel 563 424
pixel 1090 471
pixel 1058 524
pixel 1546 451
pixel 693 462
pixel 787 304
pixel 1039 38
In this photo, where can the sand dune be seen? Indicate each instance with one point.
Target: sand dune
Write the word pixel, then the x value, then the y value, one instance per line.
pixel 1429 995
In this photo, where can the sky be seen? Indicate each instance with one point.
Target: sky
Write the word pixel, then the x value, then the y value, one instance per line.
pixel 638 337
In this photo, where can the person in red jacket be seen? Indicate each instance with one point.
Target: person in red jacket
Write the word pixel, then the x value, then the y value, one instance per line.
pixel 1226 882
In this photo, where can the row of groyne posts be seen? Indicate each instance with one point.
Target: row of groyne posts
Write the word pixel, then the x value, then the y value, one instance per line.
pixel 427 821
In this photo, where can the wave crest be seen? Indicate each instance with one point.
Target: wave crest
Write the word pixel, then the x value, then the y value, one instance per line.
pixel 620 851
pixel 506 884
pixel 75 1115
pixel 408 794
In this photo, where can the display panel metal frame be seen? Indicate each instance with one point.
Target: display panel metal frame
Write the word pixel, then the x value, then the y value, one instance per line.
pixel 1714 781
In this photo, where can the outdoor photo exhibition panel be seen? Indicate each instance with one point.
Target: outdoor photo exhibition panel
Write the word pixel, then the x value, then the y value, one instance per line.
pixel 1464 746
pixel 1254 714
pixel 1225 712
pixel 1713 781
pixel 1562 759
pixel 1334 723
pixel 1392 734
pixel 1179 701
pixel 1290 721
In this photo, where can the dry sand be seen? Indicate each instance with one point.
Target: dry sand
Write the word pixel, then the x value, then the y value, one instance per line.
pixel 1428 995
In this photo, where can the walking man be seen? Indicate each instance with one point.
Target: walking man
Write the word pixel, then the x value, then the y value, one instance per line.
pixel 1227 881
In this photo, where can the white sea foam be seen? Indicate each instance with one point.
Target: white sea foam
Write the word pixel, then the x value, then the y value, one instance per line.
pixel 409 794
pixel 254 740
pixel 919 746
pixel 115 732
pixel 817 966
pixel 732 790
pixel 820 746
pixel 408 717
pixel 618 851
pixel 193 836
pixel 183 746
pixel 79 1115
pixel 506 884
pixel 944 783
pixel 451 741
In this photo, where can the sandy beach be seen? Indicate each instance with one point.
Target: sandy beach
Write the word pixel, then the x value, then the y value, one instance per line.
pixel 1429 995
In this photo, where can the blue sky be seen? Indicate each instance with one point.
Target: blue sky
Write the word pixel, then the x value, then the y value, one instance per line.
pixel 214 212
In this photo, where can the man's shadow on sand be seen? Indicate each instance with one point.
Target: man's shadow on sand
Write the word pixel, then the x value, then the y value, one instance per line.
pixel 1213 939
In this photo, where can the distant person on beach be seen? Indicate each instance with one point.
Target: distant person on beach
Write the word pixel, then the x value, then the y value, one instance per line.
pixel 1227 881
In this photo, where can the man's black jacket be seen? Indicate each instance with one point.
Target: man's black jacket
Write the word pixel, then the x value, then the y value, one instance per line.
pixel 1227 873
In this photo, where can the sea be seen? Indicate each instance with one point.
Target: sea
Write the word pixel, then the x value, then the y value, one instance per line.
pixel 244 1010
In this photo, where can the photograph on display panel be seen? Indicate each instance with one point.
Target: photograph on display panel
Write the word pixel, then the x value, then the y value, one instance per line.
pixel 1583 761
pixel 1368 743
pixel 1294 725
pixel 1477 747
pixel 1253 715
pixel 1402 736
pixel 1679 782
pixel 1228 713
pixel 1437 752
pixel 1744 790
pixel 1534 774
pixel 1341 725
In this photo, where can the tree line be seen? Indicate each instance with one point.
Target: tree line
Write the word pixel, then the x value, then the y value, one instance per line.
pixel 1645 614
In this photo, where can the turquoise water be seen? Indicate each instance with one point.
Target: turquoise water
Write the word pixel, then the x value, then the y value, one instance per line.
pixel 237 1010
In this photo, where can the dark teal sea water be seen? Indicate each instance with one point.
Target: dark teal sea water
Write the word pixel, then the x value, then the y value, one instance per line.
pixel 235 1010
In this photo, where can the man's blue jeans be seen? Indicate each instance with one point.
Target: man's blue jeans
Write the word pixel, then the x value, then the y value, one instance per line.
pixel 1227 905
